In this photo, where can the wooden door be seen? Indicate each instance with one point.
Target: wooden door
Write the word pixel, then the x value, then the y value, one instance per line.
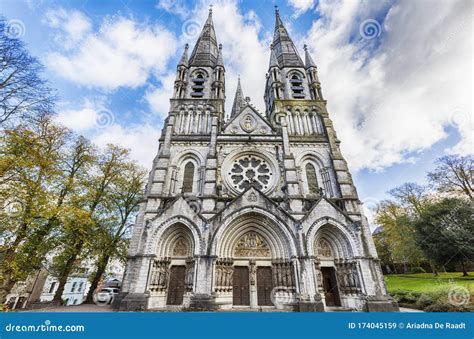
pixel 331 291
pixel 264 286
pixel 241 291
pixel 176 285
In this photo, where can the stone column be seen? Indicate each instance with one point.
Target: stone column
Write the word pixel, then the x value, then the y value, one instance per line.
pixel 203 298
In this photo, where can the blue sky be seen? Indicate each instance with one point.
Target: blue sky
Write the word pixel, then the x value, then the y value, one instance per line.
pixel 396 74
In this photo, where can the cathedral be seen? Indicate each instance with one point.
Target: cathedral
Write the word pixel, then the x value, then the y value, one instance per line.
pixel 253 210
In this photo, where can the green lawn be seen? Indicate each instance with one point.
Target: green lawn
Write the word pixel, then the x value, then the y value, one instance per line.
pixel 426 282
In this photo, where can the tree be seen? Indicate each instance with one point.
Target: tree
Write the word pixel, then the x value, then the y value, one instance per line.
pixel 111 242
pixel 411 196
pixel 75 163
pixel 83 223
pixel 398 233
pixel 384 251
pixel 30 158
pixel 445 231
pixel 23 93
pixel 453 175
pixel 61 198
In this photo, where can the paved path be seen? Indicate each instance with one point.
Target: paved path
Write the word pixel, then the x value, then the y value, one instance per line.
pixel 78 308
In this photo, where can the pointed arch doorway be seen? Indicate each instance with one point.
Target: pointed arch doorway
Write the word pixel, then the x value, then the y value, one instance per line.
pixel 253 268
pixel 171 274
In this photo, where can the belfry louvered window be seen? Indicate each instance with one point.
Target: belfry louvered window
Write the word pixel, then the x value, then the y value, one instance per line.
pixel 297 88
pixel 311 179
pixel 188 178
pixel 198 86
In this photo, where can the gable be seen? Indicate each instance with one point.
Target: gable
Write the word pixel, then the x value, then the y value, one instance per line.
pixel 248 121
pixel 255 199
pixel 323 209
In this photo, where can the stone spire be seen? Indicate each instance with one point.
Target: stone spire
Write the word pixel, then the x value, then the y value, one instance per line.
pixel 309 62
pixel 220 61
pixel 239 101
pixel 284 49
pixel 273 59
pixel 205 52
pixel 184 58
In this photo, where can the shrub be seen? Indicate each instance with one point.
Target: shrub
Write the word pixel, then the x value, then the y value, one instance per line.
pixel 399 295
pixel 406 297
pixel 438 306
pixel 418 269
pixel 424 301
pixel 412 297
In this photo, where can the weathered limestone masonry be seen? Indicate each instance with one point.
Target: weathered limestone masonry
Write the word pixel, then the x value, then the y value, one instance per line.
pixel 254 211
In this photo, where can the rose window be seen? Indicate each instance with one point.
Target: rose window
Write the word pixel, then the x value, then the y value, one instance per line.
pixel 250 170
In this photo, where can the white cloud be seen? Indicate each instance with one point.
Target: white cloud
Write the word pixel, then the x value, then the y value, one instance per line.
pixel 72 25
pixel 301 6
pixel 141 139
pixel 95 121
pixel 121 53
pixel 79 120
pixel 91 114
pixel 400 100
pixel 177 7
pixel 158 99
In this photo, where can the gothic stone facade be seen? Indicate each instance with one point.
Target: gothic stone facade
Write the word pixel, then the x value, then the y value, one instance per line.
pixel 256 210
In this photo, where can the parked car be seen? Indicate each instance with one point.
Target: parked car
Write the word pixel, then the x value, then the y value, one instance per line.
pixel 105 296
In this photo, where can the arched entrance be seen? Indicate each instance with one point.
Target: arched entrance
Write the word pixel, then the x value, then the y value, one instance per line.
pixel 253 268
pixel 172 272
pixel 336 270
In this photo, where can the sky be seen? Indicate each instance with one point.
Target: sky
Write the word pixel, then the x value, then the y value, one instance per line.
pixel 397 75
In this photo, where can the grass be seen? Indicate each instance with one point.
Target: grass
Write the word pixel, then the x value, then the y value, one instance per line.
pixel 427 282
pixel 448 292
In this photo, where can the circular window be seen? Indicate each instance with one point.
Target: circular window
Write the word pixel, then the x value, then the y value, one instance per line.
pixel 244 171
